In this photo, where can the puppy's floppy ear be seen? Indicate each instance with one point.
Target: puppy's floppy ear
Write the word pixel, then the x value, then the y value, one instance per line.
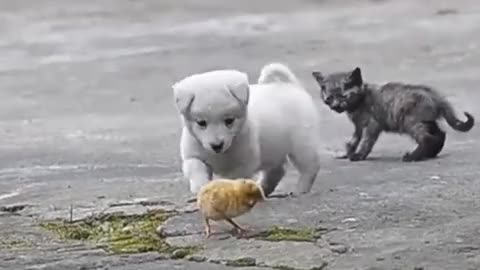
pixel 183 99
pixel 356 77
pixel 240 89
pixel 318 76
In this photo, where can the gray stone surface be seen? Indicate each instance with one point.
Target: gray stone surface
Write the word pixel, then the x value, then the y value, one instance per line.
pixel 87 121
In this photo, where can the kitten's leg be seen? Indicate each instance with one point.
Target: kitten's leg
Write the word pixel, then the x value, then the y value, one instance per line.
pixel 271 178
pixel 439 139
pixel 429 145
pixel 352 144
pixel 370 136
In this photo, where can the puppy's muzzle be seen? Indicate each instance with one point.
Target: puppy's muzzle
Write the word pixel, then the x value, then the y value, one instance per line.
pixel 217 147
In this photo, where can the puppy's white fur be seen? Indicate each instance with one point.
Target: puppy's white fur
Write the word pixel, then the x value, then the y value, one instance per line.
pixel 274 119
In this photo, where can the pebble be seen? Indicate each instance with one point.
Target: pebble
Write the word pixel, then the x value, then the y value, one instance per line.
pixel 214 261
pixel 179 254
pixel 349 220
pixel 340 249
pixel 224 237
pixel 160 231
pixel 242 262
pixel 127 228
pixel 292 220
pixel 196 258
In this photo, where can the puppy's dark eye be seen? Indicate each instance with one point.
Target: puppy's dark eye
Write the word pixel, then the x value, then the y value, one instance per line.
pixel 229 121
pixel 202 123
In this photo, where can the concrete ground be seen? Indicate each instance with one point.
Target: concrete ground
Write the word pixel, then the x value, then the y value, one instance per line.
pixel 87 119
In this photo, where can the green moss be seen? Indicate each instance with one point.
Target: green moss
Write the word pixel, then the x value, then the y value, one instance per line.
pixel 320 267
pixel 283 267
pixel 118 233
pixel 183 252
pixel 242 262
pixel 15 244
pixel 284 234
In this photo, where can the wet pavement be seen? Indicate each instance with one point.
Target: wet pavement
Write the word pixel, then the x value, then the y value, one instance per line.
pixel 88 123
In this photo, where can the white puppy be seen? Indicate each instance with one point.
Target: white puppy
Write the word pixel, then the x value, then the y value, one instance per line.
pixel 235 130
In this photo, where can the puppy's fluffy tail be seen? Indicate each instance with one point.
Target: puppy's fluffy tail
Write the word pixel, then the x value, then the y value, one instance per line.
pixel 277 72
pixel 452 119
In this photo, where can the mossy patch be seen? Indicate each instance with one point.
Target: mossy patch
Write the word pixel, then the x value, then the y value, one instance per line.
pixel 15 244
pixel 286 267
pixel 283 267
pixel 242 262
pixel 285 234
pixel 120 233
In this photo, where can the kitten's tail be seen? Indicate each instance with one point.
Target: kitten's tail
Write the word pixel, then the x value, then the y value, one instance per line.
pixel 453 121
pixel 277 72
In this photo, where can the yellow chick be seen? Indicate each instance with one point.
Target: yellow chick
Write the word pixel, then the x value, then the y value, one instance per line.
pixel 224 199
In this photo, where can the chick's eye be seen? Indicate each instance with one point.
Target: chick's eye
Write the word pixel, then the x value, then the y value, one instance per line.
pixel 229 121
pixel 202 123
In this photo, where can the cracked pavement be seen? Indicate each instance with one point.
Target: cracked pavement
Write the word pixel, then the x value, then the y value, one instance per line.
pixel 88 122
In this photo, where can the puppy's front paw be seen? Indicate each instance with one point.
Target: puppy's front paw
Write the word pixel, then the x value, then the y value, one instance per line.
pixel 356 157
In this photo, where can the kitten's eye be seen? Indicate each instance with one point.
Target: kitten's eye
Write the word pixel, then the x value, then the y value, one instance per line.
pixel 349 85
pixel 323 87
pixel 229 121
pixel 202 123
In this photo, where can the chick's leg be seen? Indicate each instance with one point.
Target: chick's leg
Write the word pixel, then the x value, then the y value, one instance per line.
pixel 239 228
pixel 207 228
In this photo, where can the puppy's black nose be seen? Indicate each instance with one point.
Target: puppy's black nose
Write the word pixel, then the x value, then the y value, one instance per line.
pixel 217 147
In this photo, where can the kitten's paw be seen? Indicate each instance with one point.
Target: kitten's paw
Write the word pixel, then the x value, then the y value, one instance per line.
pixel 341 156
pixel 356 157
pixel 279 195
pixel 294 194
pixel 408 157
pixel 302 189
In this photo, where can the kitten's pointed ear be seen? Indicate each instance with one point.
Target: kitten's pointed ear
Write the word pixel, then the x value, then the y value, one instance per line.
pixel 356 76
pixel 318 76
